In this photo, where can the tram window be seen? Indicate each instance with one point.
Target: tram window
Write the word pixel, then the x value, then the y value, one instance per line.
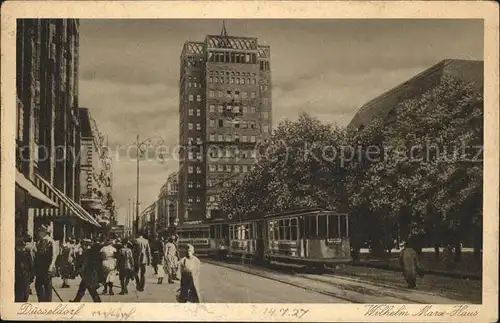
pixel 343 226
pixel 250 231
pixel 213 231
pixel 225 230
pixel 281 234
pixel 311 227
pixel 333 226
pixel 293 229
pixel 322 227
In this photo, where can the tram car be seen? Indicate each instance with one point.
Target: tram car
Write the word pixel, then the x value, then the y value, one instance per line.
pixel 312 237
pixel 196 233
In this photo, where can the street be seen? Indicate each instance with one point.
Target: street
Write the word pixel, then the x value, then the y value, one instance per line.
pixel 237 283
pixel 219 285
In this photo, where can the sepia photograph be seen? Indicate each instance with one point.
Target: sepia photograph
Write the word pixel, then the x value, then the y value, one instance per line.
pixel 236 160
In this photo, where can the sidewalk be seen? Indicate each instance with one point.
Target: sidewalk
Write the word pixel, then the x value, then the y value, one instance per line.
pixel 154 293
pixel 468 268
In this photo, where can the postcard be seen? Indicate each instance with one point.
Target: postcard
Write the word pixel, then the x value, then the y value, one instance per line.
pixel 294 161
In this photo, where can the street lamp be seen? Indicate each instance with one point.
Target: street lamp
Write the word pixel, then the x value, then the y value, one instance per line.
pixel 142 147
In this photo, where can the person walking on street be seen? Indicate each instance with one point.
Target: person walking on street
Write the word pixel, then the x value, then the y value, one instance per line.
pixel 170 260
pixel 142 258
pixel 156 250
pixel 125 266
pixel 408 259
pixel 88 271
pixel 31 249
pixel 190 275
pixel 45 264
pixel 67 262
pixel 23 271
pixel 108 258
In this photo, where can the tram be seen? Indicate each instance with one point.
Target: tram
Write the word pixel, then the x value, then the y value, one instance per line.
pixel 312 237
pixel 196 233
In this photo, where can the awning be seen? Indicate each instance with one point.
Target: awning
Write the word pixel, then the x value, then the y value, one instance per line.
pixel 32 190
pixel 64 202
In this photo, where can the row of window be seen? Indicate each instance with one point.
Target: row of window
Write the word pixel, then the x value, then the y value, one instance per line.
pixel 216 152
pixel 191 126
pixel 232 80
pixel 233 109
pixel 191 98
pixel 232 138
pixel 194 84
pixel 191 199
pixel 230 168
pixel 214 198
pixel 191 169
pixel 222 73
pixel 191 112
pixel 232 57
pixel 224 123
pixel 242 231
pixel 193 184
pixel 191 156
pixel 231 94
pixel 224 183
pixel 194 62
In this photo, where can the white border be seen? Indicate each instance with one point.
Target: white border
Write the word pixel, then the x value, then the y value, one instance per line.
pixel 252 9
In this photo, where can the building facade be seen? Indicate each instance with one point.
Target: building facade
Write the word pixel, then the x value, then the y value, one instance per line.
pixel 382 105
pixel 96 176
pixel 48 130
pixel 225 110
pixel 168 204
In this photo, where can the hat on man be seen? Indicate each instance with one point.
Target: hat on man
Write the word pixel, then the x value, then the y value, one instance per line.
pixel 86 241
pixel 45 228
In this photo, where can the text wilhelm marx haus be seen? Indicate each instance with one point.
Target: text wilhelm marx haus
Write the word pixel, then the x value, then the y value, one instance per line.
pixel 225 111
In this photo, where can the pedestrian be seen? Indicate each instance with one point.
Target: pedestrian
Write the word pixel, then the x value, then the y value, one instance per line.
pixel 67 261
pixel 171 260
pixel 31 249
pixel 125 265
pixel 190 274
pixel 45 259
pixel 156 249
pixel 108 258
pixel 410 264
pixel 142 258
pixel 88 271
pixel 23 271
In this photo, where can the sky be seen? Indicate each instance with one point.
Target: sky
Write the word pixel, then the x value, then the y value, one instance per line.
pixel 129 75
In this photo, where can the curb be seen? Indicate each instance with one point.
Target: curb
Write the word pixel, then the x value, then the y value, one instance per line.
pixel 428 272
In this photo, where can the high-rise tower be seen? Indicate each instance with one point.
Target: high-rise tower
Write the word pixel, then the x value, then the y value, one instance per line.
pixel 225 111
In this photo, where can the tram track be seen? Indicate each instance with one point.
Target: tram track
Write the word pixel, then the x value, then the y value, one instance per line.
pixel 339 280
pixel 284 281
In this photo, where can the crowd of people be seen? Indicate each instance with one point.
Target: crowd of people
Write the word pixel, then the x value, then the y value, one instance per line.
pixel 100 263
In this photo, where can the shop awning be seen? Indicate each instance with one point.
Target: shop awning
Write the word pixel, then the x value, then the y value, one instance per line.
pixel 66 204
pixel 32 190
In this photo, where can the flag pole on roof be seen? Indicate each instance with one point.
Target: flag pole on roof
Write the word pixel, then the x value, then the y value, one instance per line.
pixel 223 31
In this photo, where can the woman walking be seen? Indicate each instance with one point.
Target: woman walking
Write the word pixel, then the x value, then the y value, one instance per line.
pixel 125 265
pixel 170 261
pixel 108 257
pixel 190 274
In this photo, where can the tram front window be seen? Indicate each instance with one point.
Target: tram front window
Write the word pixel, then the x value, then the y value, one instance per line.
pixel 344 227
pixel 333 226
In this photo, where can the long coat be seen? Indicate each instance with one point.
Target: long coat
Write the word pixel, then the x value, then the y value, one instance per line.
pixel 190 279
pixel 410 264
pixel 90 266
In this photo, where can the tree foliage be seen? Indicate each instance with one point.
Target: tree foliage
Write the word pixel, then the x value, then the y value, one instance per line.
pixel 417 171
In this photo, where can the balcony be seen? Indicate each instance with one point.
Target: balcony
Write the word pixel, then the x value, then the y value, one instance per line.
pixel 91 204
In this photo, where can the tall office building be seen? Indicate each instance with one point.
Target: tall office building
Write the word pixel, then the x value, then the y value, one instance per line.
pixel 225 111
